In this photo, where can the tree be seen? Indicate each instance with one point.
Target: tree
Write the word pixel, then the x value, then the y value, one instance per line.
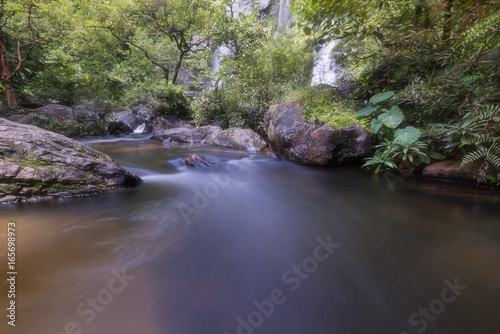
pixel 148 25
pixel 24 24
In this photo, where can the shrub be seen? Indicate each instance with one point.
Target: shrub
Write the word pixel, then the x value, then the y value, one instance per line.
pixel 164 98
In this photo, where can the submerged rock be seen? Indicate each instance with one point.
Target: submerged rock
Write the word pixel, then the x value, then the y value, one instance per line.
pixel 238 138
pixel 450 171
pixel 198 160
pixel 36 164
pixel 311 143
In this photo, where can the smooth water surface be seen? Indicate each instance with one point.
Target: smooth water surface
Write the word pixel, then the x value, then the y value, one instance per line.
pixel 256 245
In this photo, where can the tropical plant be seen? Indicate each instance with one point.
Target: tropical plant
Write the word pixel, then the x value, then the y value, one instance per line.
pixel 398 145
pixel 475 137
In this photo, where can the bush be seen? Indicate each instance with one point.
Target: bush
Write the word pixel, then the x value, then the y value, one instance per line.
pixel 164 98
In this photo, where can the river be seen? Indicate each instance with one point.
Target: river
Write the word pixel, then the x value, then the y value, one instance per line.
pixel 256 245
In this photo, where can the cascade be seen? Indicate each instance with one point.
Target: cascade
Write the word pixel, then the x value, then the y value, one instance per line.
pixel 140 128
pixel 325 71
pixel 284 15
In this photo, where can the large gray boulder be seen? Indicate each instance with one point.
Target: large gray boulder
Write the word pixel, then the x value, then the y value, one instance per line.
pixel 123 122
pixel 238 138
pixel 37 164
pixel 312 143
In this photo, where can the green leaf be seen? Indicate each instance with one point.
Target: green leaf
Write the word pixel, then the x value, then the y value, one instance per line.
pixel 367 111
pixel 437 156
pixel 376 125
pixel 381 97
pixel 407 136
pixel 424 158
pixel 392 118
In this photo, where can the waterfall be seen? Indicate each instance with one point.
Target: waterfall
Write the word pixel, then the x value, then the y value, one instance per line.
pixel 284 15
pixel 324 69
pixel 218 55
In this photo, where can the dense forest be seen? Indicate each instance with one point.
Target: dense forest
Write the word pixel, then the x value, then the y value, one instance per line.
pixel 423 76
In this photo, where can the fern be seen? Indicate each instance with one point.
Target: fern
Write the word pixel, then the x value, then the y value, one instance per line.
pixel 480 136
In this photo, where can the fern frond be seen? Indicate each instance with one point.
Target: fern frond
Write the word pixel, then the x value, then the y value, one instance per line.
pixel 476 155
pixel 494 160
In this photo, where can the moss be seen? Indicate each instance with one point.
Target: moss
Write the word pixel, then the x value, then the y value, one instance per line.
pixel 64 186
pixel 330 110
pixel 31 163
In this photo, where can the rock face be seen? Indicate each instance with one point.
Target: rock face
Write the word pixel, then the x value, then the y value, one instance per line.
pixel 123 122
pixel 450 171
pixel 198 160
pixel 311 143
pixel 170 122
pixel 37 164
pixel 242 139
pixel 57 111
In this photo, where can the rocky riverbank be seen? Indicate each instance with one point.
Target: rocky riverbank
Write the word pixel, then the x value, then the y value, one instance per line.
pixel 37 164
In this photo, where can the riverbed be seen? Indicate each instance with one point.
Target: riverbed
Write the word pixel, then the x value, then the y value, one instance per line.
pixel 256 245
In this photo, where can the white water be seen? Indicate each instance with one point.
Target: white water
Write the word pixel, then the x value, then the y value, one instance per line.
pixel 140 128
pixel 324 69
pixel 284 15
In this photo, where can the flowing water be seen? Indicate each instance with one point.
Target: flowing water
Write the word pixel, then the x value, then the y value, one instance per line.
pixel 325 70
pixel 255 245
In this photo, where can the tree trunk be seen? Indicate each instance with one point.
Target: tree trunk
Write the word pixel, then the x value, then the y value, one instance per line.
pixel 6 77
pixel 178 67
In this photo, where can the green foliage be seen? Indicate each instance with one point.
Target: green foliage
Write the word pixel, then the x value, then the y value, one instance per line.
pixel 164 98
pixel 475 137
pixel 259 69
pixel 399 147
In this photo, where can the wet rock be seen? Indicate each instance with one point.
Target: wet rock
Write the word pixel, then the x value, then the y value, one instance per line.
pixel 36 163
pixel 123 122
pixel 450 171
pixel 198 160
pixel 312 143
pixel 238 138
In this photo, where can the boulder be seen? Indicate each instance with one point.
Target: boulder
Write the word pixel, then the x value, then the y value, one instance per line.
pixel 123 122
pixel 198 160
pixel 26 100
pixel 37 164
pixel 170 122
pixel 242 139
pixel 145 114
pixel 450 171
pixel 56 111
pixel 312 143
